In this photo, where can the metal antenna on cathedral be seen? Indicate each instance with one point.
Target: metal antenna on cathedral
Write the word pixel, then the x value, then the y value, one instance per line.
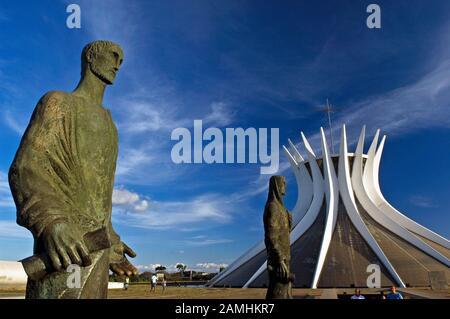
pixel 329 109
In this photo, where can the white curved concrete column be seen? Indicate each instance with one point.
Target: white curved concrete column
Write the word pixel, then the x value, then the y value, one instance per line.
pixel 297 156
pixel 348 198
pixel 249 254
pixel 371 183
pixel 332 196
pixel 377 214
pixel 256 274
pixel 294 166
pixel 304 185
pixel 318 194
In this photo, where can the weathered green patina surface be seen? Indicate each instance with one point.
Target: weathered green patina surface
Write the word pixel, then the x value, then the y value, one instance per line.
pixel 277 226
pixel 62 180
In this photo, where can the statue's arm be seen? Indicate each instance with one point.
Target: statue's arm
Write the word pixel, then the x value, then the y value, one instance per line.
pixel 274 230
pixel 36 173
pixel 115 238
pixel 44 182
pixel 274 235
pixel 289 214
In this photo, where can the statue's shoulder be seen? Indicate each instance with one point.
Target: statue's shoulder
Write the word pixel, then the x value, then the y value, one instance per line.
pixel 54 102
pixel 55 97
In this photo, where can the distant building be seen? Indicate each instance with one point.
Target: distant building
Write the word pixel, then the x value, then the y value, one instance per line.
pixel 343 224
pixel 12 274
pixel 160 276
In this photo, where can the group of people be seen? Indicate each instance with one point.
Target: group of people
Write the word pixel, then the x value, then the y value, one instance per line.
pixel 393 294
pixel 154 282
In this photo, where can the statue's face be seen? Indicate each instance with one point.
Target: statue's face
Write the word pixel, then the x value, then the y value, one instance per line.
pixel 106 64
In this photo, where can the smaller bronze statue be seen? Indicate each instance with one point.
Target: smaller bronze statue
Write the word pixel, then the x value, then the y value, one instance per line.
pixel 277 226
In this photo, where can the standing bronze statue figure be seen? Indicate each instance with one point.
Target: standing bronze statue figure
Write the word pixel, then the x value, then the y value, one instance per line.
pixel 277 227
pixel 62 180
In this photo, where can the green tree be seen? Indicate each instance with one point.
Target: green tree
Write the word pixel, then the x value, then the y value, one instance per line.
pixel 160 268
pixel 181 267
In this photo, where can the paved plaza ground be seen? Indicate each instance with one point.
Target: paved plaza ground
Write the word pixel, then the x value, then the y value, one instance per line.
pixel 142 291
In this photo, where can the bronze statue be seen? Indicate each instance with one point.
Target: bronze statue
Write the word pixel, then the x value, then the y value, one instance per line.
pixel 62 180
pixel 277 226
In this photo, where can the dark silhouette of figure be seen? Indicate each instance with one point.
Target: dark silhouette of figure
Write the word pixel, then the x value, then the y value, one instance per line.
pixel 277 226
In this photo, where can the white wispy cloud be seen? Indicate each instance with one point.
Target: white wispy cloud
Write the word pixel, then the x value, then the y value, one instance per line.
pixel 143 116
pixel 12 122
pixel 141 206
pixel 6 199
pixel 208 242
pixel 130 159
pixel 124 197
pixel 170 268
pixel 150 267
pixel 221 115
pixel 210 266
pixel 106 20
pixel 422 201
pixel 129 200
pixel 424 103
pixel 201 211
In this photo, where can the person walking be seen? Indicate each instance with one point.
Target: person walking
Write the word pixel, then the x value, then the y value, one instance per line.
pixel 164 283
pixel 154 280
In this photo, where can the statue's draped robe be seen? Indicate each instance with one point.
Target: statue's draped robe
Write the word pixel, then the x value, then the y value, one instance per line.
pixel 277 226
pixel 64 170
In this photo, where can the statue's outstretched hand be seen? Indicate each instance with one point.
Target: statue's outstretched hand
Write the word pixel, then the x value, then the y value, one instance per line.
pixel 64 245
pixel 119 263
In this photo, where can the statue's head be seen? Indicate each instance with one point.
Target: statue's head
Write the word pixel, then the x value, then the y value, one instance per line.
pixel 277 187
pixel 103 59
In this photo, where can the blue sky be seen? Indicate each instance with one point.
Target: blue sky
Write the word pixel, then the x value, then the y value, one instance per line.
pixel 235 64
